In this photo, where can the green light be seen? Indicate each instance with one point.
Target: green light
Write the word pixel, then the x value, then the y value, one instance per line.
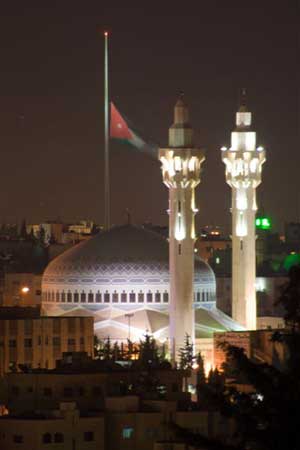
pixel 263 223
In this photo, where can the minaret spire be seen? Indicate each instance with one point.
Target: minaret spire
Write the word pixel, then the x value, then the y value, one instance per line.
pixel 181 163
pixel 243 162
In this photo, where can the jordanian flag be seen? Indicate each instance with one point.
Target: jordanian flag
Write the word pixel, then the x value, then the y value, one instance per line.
pixel 120 131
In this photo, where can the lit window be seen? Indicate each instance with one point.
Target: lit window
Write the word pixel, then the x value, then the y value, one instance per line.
pixel 127 433
pixel 217 260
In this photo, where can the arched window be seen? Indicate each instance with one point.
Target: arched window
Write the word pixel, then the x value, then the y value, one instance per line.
pixel 98 297
pixel 132 297
pixel 157 297
pixel 123 297
pixel 149 297
pixel 47 439
pixel 58 437
pixel 90 297
pixel 76 297
pixel 63 296
pixel 141 297
pixel 106 297
pixel 165 297
pixel 83 297
pixel 52 296
pixel 69 297
pixel 57 296
pixel 198 296
pixel 115 297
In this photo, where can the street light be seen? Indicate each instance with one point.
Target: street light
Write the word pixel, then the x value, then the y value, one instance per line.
pixel 129 316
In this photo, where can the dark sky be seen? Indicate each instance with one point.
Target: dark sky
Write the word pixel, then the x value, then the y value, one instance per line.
pixel 51 108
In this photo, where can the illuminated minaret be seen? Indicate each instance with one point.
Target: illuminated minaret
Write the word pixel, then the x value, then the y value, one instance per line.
pixel 243 162
pixel 181 163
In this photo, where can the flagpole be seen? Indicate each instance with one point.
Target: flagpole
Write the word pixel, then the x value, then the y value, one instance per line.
pixel 106 138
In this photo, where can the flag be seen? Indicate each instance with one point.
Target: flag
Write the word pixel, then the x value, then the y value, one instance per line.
pixel 120 131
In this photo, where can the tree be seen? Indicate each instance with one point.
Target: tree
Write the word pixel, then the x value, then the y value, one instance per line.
pixel 186 354
pixel 269 418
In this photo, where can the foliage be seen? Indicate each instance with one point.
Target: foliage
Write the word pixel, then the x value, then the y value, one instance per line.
pixel 269 417
pixel 186 354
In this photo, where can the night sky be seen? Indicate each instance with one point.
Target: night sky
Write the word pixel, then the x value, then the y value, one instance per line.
pixel 51 108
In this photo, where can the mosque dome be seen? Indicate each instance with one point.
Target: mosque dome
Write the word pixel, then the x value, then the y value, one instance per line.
pixel 112 274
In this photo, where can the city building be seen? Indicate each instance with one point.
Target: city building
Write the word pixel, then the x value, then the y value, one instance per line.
pixel 30 341
pixel 22 289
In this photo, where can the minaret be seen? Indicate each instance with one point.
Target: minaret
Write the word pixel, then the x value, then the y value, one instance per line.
pixel 243 174
pixel 181 163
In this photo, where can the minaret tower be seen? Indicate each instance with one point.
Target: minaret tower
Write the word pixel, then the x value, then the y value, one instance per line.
pixel 181 163
pixel 243 174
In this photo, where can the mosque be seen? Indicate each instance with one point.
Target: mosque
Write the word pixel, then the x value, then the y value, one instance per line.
pixel 133 280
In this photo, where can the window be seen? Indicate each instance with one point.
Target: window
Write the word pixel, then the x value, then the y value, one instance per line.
pixel 27 343
pixel 81 340
pixel 91 297
pixel 56 341
pixel 83 297
pixel 69 297
pixel 47 392
pixel 12 343
pixel 106 297
pixel 57 296
pixel 123 297
pixel 68 392
pixel 18 439
pixel 63 297
pixel 71 341
pixel 157 297
pixel 198 296
pixel 127 433
pixel 132 297
pixel 149 297
pixel 47 439
pixel 39 340
pixel 15 390
pixel 165 297
pixel 76 297
pixel 88 436
pixel 141 297
pixel 58 437
pixel 98 297
pixel 115 297
pixel 97 391
pixel 81 391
